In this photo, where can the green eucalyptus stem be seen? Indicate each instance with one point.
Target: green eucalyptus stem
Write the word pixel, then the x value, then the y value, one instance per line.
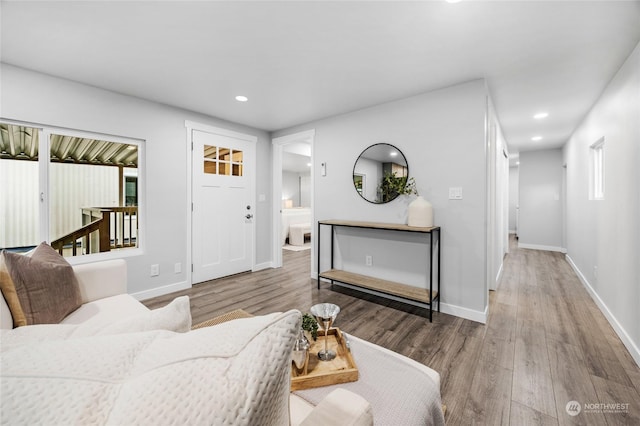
pixel 310 324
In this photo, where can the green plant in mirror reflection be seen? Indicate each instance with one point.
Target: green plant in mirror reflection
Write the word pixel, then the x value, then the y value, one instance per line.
pixel 393 186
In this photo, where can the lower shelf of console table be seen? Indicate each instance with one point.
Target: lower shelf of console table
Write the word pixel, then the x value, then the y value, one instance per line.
pixel 383 286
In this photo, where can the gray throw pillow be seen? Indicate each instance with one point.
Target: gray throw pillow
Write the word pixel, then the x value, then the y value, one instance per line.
pixel 45 284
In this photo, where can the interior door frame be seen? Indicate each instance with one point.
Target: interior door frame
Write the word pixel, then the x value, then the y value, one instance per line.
pixel 277 151
pixel 190 126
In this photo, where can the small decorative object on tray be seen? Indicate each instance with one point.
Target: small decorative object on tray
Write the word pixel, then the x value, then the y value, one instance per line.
pixel 325 314
pixel 317 373
pixel 300 353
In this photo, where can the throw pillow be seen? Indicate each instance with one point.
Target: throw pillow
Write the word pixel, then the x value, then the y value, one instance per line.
pixel 45 285
pixel 9 293
pixel 176 316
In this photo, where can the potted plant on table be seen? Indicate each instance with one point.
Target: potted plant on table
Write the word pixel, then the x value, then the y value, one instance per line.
pixel 310 327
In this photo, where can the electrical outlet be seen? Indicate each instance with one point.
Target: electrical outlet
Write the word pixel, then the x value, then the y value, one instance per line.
pixel 155 270
pixel 368 260
pixel 177 268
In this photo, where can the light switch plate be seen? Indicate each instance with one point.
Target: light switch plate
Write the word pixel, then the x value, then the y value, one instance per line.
pixel 455 193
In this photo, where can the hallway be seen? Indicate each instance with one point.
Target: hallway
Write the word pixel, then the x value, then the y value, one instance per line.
pixel 546 343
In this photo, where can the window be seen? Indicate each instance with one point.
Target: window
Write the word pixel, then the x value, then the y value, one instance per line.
pixel 82 197
pixel 131 191
pixel 20 227
pixel 222 161
pixel 596 172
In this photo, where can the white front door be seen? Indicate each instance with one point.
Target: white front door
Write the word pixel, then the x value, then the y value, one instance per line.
pixel 223 169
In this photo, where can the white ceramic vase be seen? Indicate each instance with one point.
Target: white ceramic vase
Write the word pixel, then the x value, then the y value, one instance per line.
pixel 420 213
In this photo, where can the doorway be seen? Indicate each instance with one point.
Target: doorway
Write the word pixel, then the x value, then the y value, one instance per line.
pixel 292 193
pixel 222 191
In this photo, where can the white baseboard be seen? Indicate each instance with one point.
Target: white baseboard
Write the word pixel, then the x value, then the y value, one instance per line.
pixel 494 285
pixel 541 247
pixel 620 331
pixel 445 308
pixel 161 291
pixel 466 313
pixel 261 266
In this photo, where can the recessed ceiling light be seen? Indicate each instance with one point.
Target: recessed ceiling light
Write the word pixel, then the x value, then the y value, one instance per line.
pixel 393 153
pixel 308 164
pixel 241 98
pixel 517 163
pixel 536 138
pixel 541 115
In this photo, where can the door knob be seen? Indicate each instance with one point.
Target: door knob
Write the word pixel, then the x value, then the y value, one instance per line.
pixel 249 216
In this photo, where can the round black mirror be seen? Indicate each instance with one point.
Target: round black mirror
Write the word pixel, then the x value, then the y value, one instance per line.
pixel 380 173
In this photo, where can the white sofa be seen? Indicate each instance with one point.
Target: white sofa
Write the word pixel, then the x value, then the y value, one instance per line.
pixel 103 288
pixel 108 309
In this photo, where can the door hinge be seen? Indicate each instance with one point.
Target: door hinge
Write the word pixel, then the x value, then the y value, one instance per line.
pixel 192 267
pixel 191 206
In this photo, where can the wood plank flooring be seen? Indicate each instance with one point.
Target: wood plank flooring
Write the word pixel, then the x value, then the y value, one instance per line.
pixel 545 342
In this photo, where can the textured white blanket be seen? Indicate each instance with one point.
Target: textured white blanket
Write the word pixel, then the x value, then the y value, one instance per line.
pixel 232 374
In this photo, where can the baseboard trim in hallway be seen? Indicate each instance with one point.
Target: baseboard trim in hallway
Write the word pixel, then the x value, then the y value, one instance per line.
pixel 541 247
pixel 617 327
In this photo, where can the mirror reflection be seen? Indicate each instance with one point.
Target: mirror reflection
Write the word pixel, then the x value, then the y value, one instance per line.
pixel 379 171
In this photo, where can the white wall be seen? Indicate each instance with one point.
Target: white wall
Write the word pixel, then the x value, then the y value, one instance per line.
pixel 297 187
pixel 540 225
pixel 514 183
pixel 305 190
pixel 442 134
pixel 605 234
pixel 291 187
pixel 497 229
pixel 38 98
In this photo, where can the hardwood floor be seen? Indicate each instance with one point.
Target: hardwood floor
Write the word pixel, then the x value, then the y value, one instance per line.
pixel 545 342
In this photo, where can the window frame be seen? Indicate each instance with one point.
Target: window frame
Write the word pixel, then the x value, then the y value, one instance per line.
pixel 44 188
pixel 597 170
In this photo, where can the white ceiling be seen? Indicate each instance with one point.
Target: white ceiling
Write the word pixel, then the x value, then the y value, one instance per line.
pixel 296 157
pixel 384 153
pixel 296 163
pixel 299 61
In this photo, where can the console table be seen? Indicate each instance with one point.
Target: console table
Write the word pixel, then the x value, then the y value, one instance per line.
pixel 402 291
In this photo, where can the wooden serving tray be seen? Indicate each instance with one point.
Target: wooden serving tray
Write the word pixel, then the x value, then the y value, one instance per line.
pixel 341 369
